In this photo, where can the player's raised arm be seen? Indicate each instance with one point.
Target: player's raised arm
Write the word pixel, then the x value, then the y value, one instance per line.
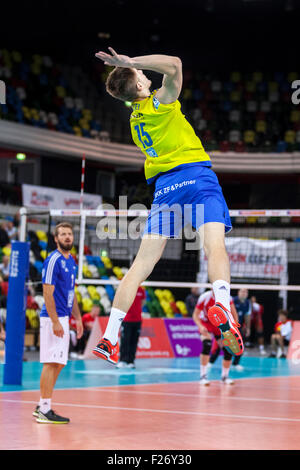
pixel 169 66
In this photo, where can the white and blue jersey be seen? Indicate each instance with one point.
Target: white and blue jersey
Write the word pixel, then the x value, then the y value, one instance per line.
pixel 243 308
pixel 61 273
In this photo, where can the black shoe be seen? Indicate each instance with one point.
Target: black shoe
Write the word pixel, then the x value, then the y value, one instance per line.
pixel 283 356
pixel 51 417
pixel 272 354
pixel 36 412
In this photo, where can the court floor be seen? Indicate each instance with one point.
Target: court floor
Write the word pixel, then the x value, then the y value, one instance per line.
pixel 159 405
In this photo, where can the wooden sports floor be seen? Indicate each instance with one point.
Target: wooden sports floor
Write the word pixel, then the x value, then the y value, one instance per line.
pixel 159 405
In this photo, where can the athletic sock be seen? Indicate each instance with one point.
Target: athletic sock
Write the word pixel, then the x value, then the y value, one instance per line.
pixel 222 293
pixel 112 330
pixel 225 372
pixel 45 405
pixel 203 370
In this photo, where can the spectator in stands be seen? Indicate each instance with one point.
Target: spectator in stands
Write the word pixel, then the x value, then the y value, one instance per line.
pixel 130 331
pixel 191 300
pixel 4 238
pixel 282 335
pixel 10 228
pixel 4 268
pixel 257 323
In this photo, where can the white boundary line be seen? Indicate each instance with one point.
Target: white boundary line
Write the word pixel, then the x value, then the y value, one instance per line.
pixel 174 412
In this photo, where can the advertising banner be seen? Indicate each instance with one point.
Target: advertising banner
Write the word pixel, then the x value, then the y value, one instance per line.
pixel 184 337
pixel 41 197
pixel 154 340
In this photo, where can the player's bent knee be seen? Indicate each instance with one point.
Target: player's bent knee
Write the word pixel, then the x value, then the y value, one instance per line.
pixel 206 346
pixel 227 355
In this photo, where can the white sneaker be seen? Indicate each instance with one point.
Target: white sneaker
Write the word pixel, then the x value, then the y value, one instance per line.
pixel 121 364
pixel 74 355
pixel 262 351
pixel 227 381
pixel 238 368
pixel 204 381
pixel 279 352
pixel 131 365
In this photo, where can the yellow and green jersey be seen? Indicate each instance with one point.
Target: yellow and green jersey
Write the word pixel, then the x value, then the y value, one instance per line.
pixel 165 137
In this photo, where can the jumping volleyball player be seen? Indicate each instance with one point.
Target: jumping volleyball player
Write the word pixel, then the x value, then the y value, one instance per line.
pixel 181 170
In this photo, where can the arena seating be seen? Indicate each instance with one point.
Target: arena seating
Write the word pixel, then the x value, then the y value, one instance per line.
pixel 241 112
pixel 37 93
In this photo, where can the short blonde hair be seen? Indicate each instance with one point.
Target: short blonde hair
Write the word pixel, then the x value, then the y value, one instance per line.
pixel 62 225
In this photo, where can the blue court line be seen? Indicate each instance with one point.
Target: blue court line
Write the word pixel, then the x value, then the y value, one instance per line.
pixel 97 373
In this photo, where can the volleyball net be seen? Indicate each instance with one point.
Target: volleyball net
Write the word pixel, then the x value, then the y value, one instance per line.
pixel 263 247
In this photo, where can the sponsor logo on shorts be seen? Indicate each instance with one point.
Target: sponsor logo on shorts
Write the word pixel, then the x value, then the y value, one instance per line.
pixel 173 187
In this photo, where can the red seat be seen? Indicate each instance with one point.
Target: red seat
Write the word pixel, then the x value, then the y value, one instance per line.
pixel 224 146
pixel 239 147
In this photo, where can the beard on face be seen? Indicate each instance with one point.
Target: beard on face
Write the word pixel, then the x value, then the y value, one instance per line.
pixel 65 246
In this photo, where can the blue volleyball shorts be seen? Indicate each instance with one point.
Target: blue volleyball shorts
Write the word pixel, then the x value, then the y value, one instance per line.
pixel 191 195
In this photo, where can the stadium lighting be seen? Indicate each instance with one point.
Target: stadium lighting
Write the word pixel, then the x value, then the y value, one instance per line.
pixel 21 156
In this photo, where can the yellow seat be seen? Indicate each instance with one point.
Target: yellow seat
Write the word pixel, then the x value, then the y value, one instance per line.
pixel 295 116
pixel 43 254
pixel 292 76
pixel 187 94
pixel 86 272
pixel 251 220
pixel 250 87
pixel 181 307
pixel 87 305
pixel 273 86
pixel 235 77
pixel 261 126
pixel 107 262
pixel 6 250
pixel 257 77
pixel 290 137
pixel 249 137
pixel 77 131
pixel 42 236
pixel 61 92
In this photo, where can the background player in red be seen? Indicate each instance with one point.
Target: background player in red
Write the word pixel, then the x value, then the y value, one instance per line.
pixel 130 331
pixel 207 330
pixel 257 323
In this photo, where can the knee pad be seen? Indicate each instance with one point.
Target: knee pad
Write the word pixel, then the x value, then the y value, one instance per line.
pixel 206 347
pixel 227 355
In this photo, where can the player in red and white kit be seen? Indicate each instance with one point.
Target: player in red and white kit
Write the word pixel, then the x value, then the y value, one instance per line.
pixel 210 333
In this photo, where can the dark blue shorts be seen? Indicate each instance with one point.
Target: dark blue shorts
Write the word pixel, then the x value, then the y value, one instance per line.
pixel 189 195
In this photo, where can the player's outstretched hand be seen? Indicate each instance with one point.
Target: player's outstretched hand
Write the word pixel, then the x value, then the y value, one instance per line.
pixel 114 59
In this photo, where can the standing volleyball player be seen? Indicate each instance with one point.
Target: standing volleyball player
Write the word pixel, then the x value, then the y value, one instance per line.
pixel 59 273
pixel 209 332
pixel 180 168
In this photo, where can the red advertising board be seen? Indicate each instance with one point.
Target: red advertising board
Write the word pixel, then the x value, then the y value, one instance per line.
pixel 154 340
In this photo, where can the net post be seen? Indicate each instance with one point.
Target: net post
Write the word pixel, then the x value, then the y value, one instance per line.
pixel 81 245
pixel 23 222
pixel 16 313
